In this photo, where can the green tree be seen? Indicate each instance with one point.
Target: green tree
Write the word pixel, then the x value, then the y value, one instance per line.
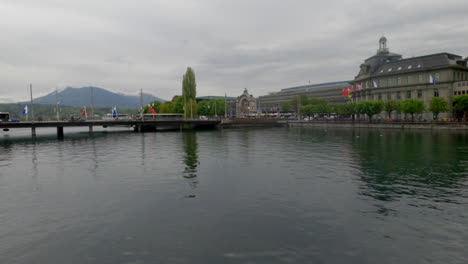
pixel 166 107
pixel 204 108
pixel 299 100
pixel 191 108
pixel 323 108
pixel 189 85
pixel 460 103
pixel 217 107
pixel 370 108
pixel 347 109
pixel 308 110
pixel 411 106
pixel 438 105
pixel 189 91
pixel 286 106
pixel 178 104
pixel 390 106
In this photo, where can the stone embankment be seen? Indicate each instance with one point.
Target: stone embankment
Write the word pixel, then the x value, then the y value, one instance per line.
pixel 244 123
pixel 241 123
pixel 389 125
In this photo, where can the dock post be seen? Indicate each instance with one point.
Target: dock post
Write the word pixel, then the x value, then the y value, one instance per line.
pixel 90 129
pixel 33 132
pixel 60 132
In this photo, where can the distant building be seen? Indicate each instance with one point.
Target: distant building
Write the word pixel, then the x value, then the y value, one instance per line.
pixel 246 104
pixel 329 91
pixel 386 76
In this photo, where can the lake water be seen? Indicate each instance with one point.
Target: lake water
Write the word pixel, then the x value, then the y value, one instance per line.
pixel 276 195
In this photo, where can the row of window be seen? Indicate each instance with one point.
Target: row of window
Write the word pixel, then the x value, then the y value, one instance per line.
pixel 462 84
pixel 421 78
pixel 460 92
pixel 460 76
pixel 409 67
pixel 408 95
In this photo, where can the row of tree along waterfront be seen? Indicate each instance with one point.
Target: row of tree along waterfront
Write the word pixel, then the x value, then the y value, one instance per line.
pixel 319 108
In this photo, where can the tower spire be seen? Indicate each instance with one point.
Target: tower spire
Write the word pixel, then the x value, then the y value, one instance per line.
pixel 382 45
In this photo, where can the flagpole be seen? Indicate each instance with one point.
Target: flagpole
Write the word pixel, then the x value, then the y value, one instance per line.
pixel 185 106
pixel 57 103
pixel 225 106
pixel 92 103
pixel 141 104
pixel 32 105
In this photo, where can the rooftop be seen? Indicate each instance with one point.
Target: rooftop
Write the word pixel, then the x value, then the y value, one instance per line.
pixel 315 86
pixel 419 63
pixel 213 97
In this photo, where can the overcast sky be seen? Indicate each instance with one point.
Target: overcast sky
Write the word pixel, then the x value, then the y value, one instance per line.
pixel 261 45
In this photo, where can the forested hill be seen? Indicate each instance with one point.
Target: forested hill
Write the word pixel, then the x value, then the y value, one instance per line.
pixel 79 97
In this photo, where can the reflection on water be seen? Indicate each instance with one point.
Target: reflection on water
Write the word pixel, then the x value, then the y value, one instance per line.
pixel 191 162
pixel 279 195
pixel 424 165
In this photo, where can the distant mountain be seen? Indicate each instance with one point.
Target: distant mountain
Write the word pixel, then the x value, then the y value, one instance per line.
pixel 79 97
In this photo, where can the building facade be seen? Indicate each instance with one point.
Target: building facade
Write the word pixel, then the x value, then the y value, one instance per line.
pixel 387 76
pixel 328 91
pixel 246 105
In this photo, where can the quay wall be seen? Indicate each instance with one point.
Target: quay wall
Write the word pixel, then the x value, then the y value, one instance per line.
pixel 244 123
pixel 383 125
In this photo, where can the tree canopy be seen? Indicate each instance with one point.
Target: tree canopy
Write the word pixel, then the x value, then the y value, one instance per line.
pixel 213 107
pixel 411 106
pixel 369 108
pixel 438 105
pixel 460 103
pixel 189 85
pixel 286 107
pixel 390 106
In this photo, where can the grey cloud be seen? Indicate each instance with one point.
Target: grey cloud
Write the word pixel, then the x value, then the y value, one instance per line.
pixel 262 45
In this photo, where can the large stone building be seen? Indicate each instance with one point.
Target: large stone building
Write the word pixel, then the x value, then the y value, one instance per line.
pixel 328 91
pixel 387 76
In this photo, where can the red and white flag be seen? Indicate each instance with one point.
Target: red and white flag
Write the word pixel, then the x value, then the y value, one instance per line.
pixel 151 109
pixel 83 113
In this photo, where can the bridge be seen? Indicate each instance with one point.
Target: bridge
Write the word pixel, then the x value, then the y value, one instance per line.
pixel 138 125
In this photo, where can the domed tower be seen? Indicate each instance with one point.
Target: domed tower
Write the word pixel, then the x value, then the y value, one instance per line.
pixel 382 45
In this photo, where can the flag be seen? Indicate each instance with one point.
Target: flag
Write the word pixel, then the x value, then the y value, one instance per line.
pixel 350 92
pixel 25 110
pixel 114 112
pixel 358 86
pixel 432 79
pixel 344 92
pixel 152 109
pixel 375 84
pixel 83 113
